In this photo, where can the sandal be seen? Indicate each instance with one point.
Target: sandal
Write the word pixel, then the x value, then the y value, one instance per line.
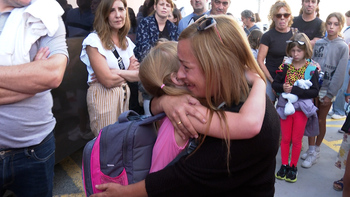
pixel 338 185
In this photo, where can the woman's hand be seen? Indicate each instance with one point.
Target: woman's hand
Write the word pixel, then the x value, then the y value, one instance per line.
pixel 287 88
pixel 120 80
pixel 109 189
pixel 115 190
pixel 134 64
pixel 177 108
pixel 93 78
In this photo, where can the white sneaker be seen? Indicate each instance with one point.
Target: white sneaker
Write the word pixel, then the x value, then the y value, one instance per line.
pixel 336 116
pixel 330 113
pixel 310 160
pixel 304 155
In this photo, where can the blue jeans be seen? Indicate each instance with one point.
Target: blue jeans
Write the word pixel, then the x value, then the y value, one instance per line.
pixel 339 103
pixel 28 171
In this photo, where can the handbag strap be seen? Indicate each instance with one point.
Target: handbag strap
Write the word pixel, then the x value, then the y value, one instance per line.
pixel 120 60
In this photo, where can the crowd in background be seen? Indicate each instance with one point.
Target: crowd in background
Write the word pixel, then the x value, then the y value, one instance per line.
pixel 161 20
pixel 303 60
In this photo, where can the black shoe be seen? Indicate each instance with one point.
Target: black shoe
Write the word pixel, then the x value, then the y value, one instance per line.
pixel 292 174
pixel 281 174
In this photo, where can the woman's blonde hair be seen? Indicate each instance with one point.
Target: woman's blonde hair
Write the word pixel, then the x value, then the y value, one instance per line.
pixel 306 47
pixel 274 10
pixel 224 55
pixel 157 67
pixel 341 21
pixel 223 62
pixel 103 29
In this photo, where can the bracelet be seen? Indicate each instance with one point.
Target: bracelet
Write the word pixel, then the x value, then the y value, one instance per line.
pixel 346 94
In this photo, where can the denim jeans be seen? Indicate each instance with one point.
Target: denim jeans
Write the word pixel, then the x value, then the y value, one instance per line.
pixel 339 103
pixel 28 171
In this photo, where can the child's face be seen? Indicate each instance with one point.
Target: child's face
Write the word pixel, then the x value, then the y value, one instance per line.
pixel 297 54
pixel 333 28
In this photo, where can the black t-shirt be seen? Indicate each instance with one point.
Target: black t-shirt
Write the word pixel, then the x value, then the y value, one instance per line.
pixel 276 41
pixel 313 29
pixel 204 173
pixel 164 34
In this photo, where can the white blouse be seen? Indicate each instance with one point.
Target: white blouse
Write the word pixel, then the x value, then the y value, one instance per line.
pixel 94 41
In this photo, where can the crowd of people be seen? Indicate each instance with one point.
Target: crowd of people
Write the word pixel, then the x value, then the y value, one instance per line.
pixel 284 81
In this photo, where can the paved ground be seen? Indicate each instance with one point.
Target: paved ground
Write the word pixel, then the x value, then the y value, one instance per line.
pixel 315 181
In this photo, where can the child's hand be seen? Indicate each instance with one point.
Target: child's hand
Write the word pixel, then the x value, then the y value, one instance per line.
pixel 287 88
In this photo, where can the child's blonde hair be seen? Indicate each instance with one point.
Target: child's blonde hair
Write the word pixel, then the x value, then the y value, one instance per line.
pixel 157 67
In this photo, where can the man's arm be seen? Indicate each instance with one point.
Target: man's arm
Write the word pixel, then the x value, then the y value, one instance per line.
pixel 34 77
pixel 9 96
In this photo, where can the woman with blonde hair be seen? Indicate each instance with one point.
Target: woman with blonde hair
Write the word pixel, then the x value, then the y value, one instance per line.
pixel 214 55
pixel 273 43
pixel 110 61
pixel 158 75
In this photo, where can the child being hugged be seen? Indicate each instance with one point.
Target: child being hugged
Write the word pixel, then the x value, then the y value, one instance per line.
pixel 297 83
pixel 332 54
pixel 158 74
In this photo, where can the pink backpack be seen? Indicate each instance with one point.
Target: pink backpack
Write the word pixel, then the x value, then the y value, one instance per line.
pixel 121 153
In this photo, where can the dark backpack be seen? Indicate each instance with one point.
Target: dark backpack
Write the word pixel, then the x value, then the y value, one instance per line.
pixel 121 153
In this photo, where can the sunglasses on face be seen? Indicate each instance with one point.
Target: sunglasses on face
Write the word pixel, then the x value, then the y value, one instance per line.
pixel 205 23
pixel 285 15
pixel 299 42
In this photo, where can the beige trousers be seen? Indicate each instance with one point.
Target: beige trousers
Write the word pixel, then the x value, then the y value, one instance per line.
pixel 105 105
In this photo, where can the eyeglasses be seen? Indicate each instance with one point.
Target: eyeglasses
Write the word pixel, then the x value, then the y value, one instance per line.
pixel 299 42
pixel 285 15
pixel 205 23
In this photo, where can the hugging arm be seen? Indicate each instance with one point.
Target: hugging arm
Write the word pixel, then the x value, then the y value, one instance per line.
pixel 193 116
pixel 242 125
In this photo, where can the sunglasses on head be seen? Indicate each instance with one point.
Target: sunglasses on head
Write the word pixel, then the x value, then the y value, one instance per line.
pixel 299 42
pixel 285 15
pixel 205 23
